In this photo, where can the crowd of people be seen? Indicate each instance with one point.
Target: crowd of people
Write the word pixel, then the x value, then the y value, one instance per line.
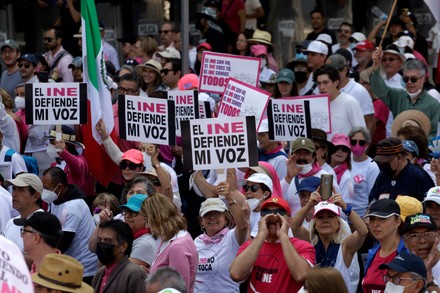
pixel 157 227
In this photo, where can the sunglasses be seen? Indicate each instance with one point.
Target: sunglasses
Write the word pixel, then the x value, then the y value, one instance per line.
pixel 48 39
pixel 164 31
pixel 389 59
pixel 165 71
pixel 253 188
pixel 413 79
pixel 132 166
pixel 277 211
pixel 25 65
pixel 342 148
pixel 361 142
pixel 127 212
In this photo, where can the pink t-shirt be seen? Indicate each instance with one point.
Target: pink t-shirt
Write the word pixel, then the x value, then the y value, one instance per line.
pixel 179 253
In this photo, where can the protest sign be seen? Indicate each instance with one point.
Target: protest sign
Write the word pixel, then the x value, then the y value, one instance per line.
pixel 186 106
pixel 56 103
pixel 240 99
pixel 288 119
pixel 217 68
pixel 205 110
pixel 147 120
pixel 319 111
pixel 216 143
pixel 14 273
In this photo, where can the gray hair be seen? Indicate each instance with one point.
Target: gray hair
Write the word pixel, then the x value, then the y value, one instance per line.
pixel 342 233
pixel 415 64
pixel 166 277
pixel 362 130
pixel 417 277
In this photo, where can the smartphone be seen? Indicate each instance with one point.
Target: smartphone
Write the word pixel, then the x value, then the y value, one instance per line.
pixel 326 186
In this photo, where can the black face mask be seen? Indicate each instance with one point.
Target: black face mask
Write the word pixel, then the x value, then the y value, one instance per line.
pixel 105 254
pixel 300 76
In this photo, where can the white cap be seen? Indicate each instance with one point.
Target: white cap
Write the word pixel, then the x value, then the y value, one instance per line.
pixel 409 56
pixel 264 126
pixel 325 205
pixel 169 53
pixel 433 194
pixel 318 47
pixel 169 290
pixel 358 37
pixel 259 178
pixel 404 41
pixel 326 38
pixel 212 204
pixel 203 97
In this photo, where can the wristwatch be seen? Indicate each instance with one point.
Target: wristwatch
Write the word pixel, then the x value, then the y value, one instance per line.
pixel 432 283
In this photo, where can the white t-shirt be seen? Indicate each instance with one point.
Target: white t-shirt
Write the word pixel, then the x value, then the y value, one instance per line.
pixel 345 113
pixel 251 6
pixel 363 175
pixel 357 91
pixel 17 162
pixel 279 163
pixel 174 185
pixel 9 129
pixel 329 169
pixel 346 187
pixel 350 274
pixel 75 217
pixel 12 231
pixel 144 248
pixel 434 37
pixel 5 208
pixel 214 260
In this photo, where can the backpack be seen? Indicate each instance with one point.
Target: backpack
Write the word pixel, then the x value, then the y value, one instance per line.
pixel 31 162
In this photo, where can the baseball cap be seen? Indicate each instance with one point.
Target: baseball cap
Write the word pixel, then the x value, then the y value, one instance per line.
pixel 286 75
pixel 259 178
pixel 341 139
pixel 337 61
pixel 131 62
pixel 404 41
pixel 388 148
pixel 10 43
pixel 169 53
pixel 134 203
pixel 317 47
pixel 348 55
pixel 43 222
pixel 25 180
pixel 357 37
pixel 325 205
pixel 76 62
pixel 406 262
pixel 133 155
pixel 408 205
pixel 383 208
pixel 205 45
pixel 272 79
pixel 278 202
pixel 309 184
pixel 212 204
pixel 364 45
pixel 303 143
pixel 29 58
pixel 188 81
pixel 418 220
pixel 326 38
pixel 410 146
pixel 433 194
pixel 303 45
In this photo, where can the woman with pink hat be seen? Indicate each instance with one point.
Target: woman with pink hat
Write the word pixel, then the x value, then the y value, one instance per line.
pixel 260 51
pixel 340 161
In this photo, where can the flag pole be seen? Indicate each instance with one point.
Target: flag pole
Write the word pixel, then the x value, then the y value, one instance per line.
pixel 390 15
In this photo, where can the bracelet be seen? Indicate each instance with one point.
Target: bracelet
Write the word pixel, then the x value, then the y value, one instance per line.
pixel 432 283
pixel 347 211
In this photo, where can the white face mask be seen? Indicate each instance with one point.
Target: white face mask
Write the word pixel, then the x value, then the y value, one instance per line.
pixel 414 95
pixel 96 219
pixel 305 168
pixel 19 102
pixel 302 290
pixel 392 288
pixel 263 63
pixel 253 203
pixel 52 151
pixel 49 196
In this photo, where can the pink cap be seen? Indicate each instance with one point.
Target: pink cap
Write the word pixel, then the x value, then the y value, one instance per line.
pixel 205 45
pixel 188 81
pixel 341 139
pixel 258 50
pixel 133 155
pixel 325 205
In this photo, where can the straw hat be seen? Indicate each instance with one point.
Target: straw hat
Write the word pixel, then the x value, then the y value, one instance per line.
pixel 261 37
pixel 411 117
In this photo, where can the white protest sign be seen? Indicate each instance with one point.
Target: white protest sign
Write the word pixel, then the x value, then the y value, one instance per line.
pixel 56 103
pixel 217 143
pixel 240 99
pixel 147 120
pixel 14 273
pixel 186 106
pixel 204 109
pixel 288 119
pixel 217 68
pixel 319 111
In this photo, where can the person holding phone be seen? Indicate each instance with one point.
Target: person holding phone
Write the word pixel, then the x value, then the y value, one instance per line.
pixel 273 261
pixel 334 243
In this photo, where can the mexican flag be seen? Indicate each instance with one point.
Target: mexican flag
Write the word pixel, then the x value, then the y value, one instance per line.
pixel 99 98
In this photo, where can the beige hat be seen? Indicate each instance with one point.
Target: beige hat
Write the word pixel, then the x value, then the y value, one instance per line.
pixel 212 204
pixel 25 180
pixel 169 53
pixel 61 272
pixel 411 117
pixel 152 64
pixel 262 37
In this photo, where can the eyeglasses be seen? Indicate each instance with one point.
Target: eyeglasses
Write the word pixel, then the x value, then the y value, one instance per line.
pixel 22 230
pixel 361 142
pixel 342 148
pixel 277 211
pixel 132 166
pixel 253 188
pixel 26 65
pixel 48 39
pixel 124 91
pixel 164 31
pixel 413 79
pixel 165 71
pixel 415 237
pixel 396 280
pixel 127 212
pixel 389 59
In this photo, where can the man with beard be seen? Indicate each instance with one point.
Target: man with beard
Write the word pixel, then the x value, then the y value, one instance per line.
pixel 317 19
pixel 398 176
pixel 273 261
pixel 27 64
pixel 57 57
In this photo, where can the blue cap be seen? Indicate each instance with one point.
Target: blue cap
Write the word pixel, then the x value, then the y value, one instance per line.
pixel 135 202
pixel 309 184
pixel 29 58
pixel 406 262
pixel 410 146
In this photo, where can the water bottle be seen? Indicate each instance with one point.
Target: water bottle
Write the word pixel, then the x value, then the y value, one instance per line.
pixel 379 13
